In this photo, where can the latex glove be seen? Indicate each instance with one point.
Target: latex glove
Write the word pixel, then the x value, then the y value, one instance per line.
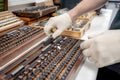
pixel 104 49
pixel 61 22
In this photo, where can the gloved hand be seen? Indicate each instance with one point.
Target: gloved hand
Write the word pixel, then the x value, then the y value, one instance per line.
pixel 61 22
pixel 104 49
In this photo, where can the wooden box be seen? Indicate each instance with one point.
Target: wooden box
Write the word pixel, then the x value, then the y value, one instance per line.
pixel 35 12
pixel 77 32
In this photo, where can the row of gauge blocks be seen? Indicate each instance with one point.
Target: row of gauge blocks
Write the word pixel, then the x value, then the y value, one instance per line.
pixel 34 8
pixel 80 25
pixel 35 12
pixel 7 18
pixel 52 59
pixel 16 37
pixel 76 25
pixel 9 21
pixel 5 15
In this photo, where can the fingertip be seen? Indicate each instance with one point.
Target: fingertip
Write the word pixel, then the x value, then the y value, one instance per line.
pixel 91 59
pixel 86 52
pixel 82 45
pixel 47 29
pixel 56 33
pixel 85 44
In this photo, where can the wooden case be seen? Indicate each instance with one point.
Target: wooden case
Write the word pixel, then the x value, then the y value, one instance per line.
pixel 35 12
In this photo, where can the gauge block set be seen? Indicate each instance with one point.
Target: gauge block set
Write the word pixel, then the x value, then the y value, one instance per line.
pixel 88 16
pixel 52 59
pixel 15 42
pixel 24 56
pixel 15 38
pixel 35 12
pixel 9 21
pixel 76 31
pixel 26 53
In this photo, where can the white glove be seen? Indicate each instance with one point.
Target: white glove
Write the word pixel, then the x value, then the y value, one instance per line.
pixel 61 22
pixel 104 49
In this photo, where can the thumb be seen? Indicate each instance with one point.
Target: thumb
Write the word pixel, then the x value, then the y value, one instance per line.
pixel 56 33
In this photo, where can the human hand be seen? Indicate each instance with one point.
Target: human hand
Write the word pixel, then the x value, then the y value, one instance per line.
pixel 104 49
pixel 61 22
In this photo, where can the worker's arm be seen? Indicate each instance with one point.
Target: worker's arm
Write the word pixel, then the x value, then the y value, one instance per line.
pixel 85 6
pixel 64 21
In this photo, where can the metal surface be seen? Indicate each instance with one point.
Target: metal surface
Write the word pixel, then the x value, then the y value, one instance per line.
pixel 36 11
pixel 17 42
pixel 53 59
pixel 8 21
